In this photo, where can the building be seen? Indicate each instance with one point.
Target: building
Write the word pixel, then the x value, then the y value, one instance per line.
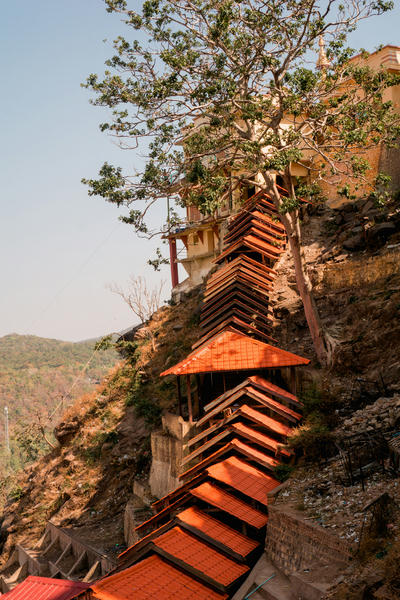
pixel 197 241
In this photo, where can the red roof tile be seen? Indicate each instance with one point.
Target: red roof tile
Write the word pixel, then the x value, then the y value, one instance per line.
pixel 44 588
pixel 254 244
pixel 198 555
pixel 153 579
pixel 226 502
pixel 243 477
pixel 231 351
pixel 212 528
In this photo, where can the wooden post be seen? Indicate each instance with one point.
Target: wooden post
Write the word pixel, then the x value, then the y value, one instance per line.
pixel 198 396
pixel 224 381
pixel 189 398
pixel 293 380
pixel 178 385
pixel 173 263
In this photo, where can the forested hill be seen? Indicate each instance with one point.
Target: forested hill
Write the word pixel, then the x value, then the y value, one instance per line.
pixel 36 373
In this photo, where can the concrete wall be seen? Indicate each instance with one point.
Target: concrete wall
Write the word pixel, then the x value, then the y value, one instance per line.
pixel 167 453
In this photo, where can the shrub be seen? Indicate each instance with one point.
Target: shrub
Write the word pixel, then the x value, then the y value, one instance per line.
pixel 314 441
pixel 16 493
pixel 282 472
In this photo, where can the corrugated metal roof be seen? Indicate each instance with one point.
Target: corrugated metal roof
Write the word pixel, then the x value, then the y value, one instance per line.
pixel 44 588
pixel 232 539
pixel 198 555
pixel 231 351
pixel 153 579
pixel 212 494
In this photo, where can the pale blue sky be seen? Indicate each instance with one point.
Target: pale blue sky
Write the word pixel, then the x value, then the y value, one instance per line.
pixel 59 248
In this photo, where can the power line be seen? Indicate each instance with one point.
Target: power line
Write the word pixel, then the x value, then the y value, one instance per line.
pixel 74 276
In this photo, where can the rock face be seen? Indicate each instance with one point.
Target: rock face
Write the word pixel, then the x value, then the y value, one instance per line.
pixel 363 225
pixel 66 430
pixel 383 414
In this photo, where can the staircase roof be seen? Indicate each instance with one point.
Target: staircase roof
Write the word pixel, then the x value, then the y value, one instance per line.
pixel 153 578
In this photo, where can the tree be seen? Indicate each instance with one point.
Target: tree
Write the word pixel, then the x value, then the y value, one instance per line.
pixel 142 301
pixel 219 94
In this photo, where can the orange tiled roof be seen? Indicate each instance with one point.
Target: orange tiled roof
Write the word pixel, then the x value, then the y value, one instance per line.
pixel 243 477
pixel 233 445
pixel 261 384
pixel 187 548
pixel 269 422
pixel 248 393
pixel 258 437
pixel 232 322
pixel 212 528
pixel 232 351
pixel 264 420
pixel 44 588
pixel 273 389
pixel 226 502
pixel 153 579
pixel 247 412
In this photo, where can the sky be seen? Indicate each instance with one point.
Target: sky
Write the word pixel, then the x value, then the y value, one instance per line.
pixel 60 248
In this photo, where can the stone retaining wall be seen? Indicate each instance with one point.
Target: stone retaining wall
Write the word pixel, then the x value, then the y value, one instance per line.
pixel 294 544
pixel 359 272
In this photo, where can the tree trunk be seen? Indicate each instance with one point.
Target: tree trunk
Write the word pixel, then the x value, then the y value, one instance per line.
pixel 321 340
pixel 323 343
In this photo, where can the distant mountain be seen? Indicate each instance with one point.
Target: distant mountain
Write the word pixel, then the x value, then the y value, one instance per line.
pixel 36 373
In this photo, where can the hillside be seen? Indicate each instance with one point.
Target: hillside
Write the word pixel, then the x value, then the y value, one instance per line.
pixel 39 376
pixel 104 438
pixel 86 482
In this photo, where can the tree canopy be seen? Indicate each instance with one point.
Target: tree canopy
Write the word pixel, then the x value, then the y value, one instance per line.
pixel 225 92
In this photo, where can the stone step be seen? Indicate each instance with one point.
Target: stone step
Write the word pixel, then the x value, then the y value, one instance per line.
pixel 265 582
pixel 277 588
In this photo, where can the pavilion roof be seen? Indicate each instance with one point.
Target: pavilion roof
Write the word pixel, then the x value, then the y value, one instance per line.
pixel 232 351
pixel 249 392
pixel 266 422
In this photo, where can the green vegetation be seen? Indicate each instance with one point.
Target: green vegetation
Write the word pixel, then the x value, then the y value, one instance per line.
pixel 314 438
pixel 39 379
pixel 282 472
pixel 242 70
